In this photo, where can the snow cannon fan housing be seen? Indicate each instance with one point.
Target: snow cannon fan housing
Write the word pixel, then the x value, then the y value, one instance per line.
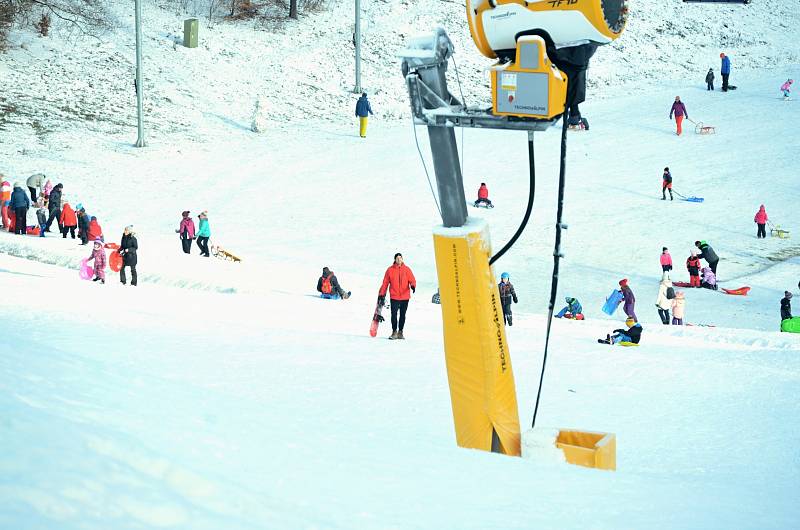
pixel 496 25
pixel 531 86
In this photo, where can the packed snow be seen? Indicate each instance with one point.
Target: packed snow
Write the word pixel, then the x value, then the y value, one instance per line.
pixel 219 394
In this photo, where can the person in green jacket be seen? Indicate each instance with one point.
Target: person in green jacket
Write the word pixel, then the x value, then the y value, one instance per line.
pixel 203 233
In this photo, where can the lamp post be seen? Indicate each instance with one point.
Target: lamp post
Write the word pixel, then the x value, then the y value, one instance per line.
pixel 357 42
pixel 139 95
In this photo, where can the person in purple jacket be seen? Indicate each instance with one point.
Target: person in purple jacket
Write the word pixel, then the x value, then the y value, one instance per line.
pixel 186 232
pixel 628 298
pixel 679 109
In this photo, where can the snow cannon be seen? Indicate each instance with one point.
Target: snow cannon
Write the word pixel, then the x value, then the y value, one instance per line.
pixel 496 25
pixel 531 86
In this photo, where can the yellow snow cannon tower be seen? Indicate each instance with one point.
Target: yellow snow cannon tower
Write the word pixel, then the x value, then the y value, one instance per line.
pixel 531 86
pixel 496 25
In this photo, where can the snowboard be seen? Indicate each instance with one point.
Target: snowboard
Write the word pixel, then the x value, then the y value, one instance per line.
pixel 612 302
pixel 376 320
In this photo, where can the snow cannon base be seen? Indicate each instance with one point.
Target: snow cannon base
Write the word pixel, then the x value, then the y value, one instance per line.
pixel 589 449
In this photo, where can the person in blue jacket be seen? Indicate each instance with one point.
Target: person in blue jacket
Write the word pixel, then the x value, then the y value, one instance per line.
pixel 725 70
pixel 572 309
pixel 19 205
pixel 363 111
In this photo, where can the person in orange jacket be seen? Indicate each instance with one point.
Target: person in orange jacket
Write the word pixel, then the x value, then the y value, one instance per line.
pixel 69 221
pixel 401 283
pixel 483 196
pixel 95 232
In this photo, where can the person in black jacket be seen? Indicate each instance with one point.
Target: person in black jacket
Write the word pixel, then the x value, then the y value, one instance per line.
pixel 127 249
pixel 786 305
pixel 507 294
pixel 83 226
pixel 632 334
pixel 54 205
pixel 329 286
pixel 710 79
pixel 707 253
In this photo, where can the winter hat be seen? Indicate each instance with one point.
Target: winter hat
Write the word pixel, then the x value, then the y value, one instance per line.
pixel 185 213
pixel 697 244
pixel 398 254
pixel 666 169
pixel 98 242
pixel 325 271
pixel 630 321
pixel 664 249
pixel 505 275
pixel 17 184
pixel 694 253
pixel 93 218
pixel 787 294
pixel 623 282
pixel 679 294
pixel 569 299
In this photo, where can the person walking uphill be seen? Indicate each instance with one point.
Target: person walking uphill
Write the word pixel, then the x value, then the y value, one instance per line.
pixel 666 184
pixel 19 204
pixel 203 234
pixel 507 294
pixel 401 283
pixel 707 253
pixel 679 110
pixel 186 232
pixel 363 111
pixel 710 79
pixel 725 70
pixel 761 219
pixel 127 249
pixel 628 299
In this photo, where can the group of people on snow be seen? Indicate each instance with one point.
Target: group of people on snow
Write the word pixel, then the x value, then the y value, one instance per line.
pixel 187 233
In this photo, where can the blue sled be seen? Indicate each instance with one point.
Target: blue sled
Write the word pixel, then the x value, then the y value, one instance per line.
pixel 612 302
pixel 694 199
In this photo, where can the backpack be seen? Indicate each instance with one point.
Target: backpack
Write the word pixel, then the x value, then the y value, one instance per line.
pixel 670 293
pixel 326 287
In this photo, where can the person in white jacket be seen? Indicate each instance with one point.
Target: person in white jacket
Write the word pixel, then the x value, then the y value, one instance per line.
pixel 665 295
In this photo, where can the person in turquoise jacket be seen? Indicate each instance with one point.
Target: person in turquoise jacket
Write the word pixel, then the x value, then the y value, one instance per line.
pixel 203 233
pixel 572 310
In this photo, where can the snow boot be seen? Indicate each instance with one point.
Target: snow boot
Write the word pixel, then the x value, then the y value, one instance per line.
pixel 393 336
pixel 400 335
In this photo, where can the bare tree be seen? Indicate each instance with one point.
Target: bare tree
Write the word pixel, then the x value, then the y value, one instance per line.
pixel 292 8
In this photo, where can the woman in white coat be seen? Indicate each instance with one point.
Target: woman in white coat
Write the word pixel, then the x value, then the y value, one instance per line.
pixel 664 301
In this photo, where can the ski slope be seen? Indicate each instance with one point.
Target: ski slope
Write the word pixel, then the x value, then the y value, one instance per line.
pixel 229 395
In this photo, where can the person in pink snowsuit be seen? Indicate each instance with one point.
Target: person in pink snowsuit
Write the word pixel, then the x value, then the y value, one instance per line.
pixel 761 219
pixel 186 232
pixel 786 88
pixel 666 260
pixel 99 257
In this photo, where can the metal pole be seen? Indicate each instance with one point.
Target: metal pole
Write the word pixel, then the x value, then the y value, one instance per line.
pixel 139 95
pixel 357 39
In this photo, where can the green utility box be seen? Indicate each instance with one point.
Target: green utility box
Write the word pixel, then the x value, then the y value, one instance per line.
pixel 190 27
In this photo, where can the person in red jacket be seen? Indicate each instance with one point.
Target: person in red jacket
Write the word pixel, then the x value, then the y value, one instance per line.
pixel 693 266
pixel 761 219
pixel 483 196
pixel 69 221
pixel 399 279
pixel 95 232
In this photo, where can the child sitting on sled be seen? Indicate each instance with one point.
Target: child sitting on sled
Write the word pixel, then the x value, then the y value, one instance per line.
pixel 483 196
pixel 572 310
pixel 329 286
pixel 709 280
pixel 631 335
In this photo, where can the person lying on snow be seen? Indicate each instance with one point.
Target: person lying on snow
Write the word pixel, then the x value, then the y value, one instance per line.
pixel 573 309
pixel 709 280
pixel 329 286
pixel 633 334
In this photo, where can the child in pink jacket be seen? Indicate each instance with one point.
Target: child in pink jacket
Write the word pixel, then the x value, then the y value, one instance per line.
pixel 786 88
pixel 99 257
pixel 761 219
pixel 666 260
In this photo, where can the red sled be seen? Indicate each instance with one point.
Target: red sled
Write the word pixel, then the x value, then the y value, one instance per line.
pixel 115 259
pixel 681 284
pixel 741 291
pixel 32 230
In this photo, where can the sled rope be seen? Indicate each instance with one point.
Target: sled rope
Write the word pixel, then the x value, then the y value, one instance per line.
pixel 531 193
pixel 556 257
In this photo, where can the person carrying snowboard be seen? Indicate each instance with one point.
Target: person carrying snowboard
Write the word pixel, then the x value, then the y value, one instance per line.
pixel 628 299
pixel 572 310
pixel 127 249
pixel 693 266
pixel 707 253
pixel 786 88
pixel 666 184
pixel 507 294
pixel 678 308
pixel 99 257
pixel 363 111
pixel 400 281
pixel 666 293
pixel 679 110
pixel 725 70
pixel 786 306
pixel 761 219
pixel 329 286
pixel 633 334
pixel 666 260
pixel 709 280
pixel 186 232
pixel 483 196
pixel 710 79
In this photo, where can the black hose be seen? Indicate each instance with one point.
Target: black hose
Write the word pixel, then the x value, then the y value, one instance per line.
pixel 556 257
pixel 531 193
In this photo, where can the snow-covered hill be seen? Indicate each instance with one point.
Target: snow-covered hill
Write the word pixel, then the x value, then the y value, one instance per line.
pixel 304 70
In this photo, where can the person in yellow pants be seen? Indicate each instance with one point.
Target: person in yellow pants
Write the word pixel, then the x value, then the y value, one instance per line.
pixel 363 111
